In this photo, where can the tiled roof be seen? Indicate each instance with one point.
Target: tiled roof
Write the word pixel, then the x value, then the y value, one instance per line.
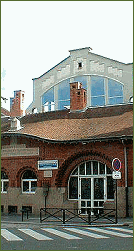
pixel 76 129
pixel 72 127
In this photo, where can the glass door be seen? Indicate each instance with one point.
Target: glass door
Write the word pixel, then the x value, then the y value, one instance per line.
pixel 91 194
pixel 99 195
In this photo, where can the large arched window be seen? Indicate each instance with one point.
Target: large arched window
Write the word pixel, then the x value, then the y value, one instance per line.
pixel 91 184
pixel 4 182
pixel 29 182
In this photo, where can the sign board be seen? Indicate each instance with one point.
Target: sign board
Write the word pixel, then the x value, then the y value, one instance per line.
pixel 47 164
pixel 116 164
pixel 116 175
pixel 48 173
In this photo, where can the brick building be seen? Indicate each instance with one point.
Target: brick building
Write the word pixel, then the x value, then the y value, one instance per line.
pixel 60 154
pixel 64 156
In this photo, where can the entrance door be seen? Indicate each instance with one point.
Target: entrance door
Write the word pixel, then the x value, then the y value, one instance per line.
pixel 91 184
pixel 91 194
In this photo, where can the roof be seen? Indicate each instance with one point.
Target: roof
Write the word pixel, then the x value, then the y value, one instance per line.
pixel 51 68
pixel 4 112
pixel 93 124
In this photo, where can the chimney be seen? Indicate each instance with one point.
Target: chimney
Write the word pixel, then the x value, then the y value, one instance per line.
pixel 17 104
pixel 15 125
pixel 78 97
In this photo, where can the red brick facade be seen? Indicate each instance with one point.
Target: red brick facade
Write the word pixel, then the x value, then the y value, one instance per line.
pixel 69 156
pixel 71 138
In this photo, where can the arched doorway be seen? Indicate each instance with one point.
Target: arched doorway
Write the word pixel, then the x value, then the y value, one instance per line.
pixel 91 184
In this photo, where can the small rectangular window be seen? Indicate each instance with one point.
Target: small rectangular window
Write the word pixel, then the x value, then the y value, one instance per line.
pixel 12 209
pixel 79 65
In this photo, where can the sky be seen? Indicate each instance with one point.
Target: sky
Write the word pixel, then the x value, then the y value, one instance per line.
pixel 37 35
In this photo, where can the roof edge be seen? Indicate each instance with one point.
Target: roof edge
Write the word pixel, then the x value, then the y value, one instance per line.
pixel 52 68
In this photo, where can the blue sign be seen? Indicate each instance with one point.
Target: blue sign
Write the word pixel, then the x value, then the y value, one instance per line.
pixel 47 164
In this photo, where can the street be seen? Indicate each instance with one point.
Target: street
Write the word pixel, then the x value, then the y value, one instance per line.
pixel 67 238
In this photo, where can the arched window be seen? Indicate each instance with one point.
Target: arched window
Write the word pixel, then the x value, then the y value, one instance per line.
pixel 91 184
pixel 4 182
pixel 29 182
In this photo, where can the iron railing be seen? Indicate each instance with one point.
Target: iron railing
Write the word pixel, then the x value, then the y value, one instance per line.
pixel 66 215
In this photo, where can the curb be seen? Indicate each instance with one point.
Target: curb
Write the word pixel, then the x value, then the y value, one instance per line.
pixel 70 225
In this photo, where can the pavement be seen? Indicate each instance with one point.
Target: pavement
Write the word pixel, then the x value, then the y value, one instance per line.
pixel 13 220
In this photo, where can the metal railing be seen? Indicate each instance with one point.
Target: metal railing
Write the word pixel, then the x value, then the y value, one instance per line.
pixel 66 215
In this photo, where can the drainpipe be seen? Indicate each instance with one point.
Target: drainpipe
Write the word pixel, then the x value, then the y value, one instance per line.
pixel 126 177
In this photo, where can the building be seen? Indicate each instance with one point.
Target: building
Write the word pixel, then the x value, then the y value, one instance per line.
pixel 63 157
pixel 107 82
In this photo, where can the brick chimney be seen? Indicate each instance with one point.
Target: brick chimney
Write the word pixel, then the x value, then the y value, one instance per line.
pixel 78 96
pixel 17 104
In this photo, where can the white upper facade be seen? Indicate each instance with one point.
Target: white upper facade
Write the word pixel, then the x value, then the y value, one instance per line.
pixel 108 82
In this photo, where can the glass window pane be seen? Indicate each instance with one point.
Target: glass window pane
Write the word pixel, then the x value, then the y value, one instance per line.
pixel 29 175
pixel 64 90
pixel 83 80
pixel 98 101
pixel 5 186
pixel 98 188
pixel 97 86
pixel 102 168
pixel 73 188
pixel 33 186
pixel 115 92
pixel 3 175
pixel 85 188
pixel 95 167
pixel 109 171
pixel 48 96
pixel 88 203
pixel 75 172
pixel 62 104
pixel 82 169
pixel 83 204
pixel 25 186
pixel 114 88
pixel 110 188
pixel 88 168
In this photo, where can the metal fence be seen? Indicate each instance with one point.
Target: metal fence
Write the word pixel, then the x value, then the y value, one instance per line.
pixel 68 215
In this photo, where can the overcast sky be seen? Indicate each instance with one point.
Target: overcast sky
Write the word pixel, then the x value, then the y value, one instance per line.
pixel 37 35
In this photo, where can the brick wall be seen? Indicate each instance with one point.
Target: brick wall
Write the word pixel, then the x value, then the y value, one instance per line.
pixel 69 156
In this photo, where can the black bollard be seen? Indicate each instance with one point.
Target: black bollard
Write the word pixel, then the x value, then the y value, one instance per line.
pixel 63 216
